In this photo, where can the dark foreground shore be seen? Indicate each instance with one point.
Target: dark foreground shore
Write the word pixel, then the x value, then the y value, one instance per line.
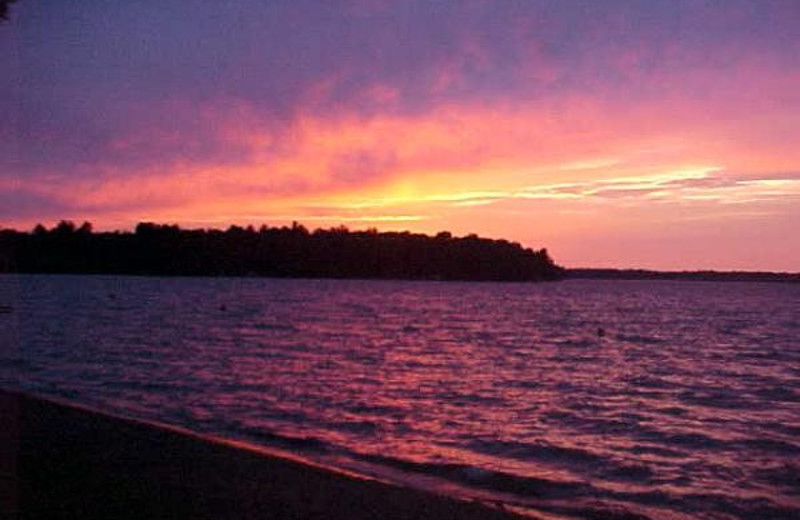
pixel 59 461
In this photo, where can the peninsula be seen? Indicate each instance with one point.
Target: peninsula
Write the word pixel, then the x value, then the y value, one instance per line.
pixel 283 252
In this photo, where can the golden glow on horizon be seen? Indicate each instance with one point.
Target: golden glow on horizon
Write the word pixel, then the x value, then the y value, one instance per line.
pixel 462 168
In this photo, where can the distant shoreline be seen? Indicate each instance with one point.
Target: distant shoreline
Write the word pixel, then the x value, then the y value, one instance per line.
pixel 691 276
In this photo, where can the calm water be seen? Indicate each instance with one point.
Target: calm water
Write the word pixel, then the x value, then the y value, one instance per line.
pixel 688 407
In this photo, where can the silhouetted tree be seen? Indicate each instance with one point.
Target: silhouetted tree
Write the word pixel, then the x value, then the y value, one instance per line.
pixel 65 227
pixel 85 229
pixel 4 4
pixel 299 228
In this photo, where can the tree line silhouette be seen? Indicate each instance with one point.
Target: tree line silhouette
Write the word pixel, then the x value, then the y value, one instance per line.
pixel 288 252
pixel 4 4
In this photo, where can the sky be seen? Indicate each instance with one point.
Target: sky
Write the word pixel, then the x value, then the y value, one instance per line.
pixel 657 134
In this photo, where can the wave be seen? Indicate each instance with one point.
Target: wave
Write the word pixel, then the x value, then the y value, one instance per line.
pixel 568 457
pixel 485 479
pixel 294 443
pixel 565 498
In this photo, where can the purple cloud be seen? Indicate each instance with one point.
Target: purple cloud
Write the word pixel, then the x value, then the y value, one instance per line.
pixel 99 88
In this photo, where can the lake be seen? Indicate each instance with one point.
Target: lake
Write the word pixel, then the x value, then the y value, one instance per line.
pixel 579 399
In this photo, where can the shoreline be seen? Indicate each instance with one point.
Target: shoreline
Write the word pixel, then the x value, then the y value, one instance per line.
pixel 59 460
pixel 610 275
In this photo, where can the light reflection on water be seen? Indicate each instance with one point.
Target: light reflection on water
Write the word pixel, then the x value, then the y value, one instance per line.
pixel 686 407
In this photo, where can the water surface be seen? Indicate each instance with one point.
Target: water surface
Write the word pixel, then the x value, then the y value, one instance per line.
pixel 577 399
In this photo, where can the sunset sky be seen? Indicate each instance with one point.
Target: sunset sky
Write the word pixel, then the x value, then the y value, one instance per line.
pixel 652 133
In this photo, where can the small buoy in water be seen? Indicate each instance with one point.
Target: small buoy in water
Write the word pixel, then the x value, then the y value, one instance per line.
pixel 223 307
pixel 112 296
pixel 5 309
pixel 601 332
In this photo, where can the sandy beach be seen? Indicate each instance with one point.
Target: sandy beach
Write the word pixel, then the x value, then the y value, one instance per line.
pixel 60 461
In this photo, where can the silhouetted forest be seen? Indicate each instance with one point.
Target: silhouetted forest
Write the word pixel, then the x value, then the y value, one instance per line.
pixel 291 252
